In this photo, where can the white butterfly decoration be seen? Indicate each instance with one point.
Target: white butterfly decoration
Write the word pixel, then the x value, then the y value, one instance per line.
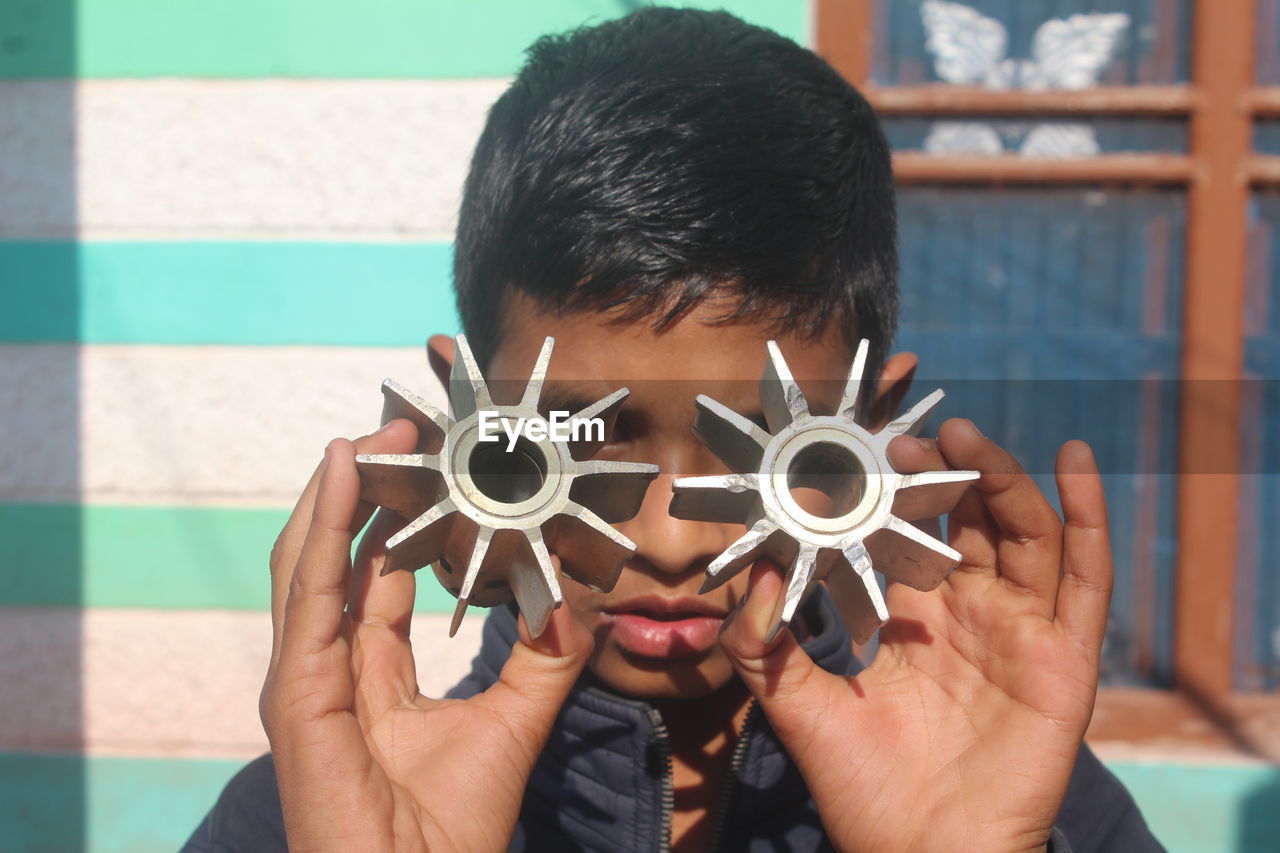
pixel 970 49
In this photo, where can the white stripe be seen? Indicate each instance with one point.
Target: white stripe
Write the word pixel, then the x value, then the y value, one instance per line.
pixel 175 424
pixel 151 682
pixel 255 159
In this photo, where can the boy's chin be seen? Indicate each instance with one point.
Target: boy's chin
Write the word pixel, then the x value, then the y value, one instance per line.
pixel 670 678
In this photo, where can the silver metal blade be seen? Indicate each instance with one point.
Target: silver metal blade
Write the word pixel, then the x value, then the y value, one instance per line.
pixel 935 478
pixel 606 409
pixel 533 580
pixel 849 399
pixel 914 419
pixel 904 553
pixel 742 553
pixel 780 395
pixel 467 389
pixel 409 483
pixel 612 490
pixel 799 577
pixel 399 402
pixel 590 551
pixel 422 541
pixel 478 552
pixel 737 441
pixel 853 587
pixel 723 498
pixel 533 390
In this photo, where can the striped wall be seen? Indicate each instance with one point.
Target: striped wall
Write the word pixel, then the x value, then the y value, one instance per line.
pixel 221 225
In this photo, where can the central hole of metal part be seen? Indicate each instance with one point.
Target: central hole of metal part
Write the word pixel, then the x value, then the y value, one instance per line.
pixel 508 476
pixel 826 480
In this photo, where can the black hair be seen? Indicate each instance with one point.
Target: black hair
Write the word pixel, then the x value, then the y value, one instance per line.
pixel 650 161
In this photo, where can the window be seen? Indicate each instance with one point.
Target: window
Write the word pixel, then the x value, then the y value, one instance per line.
pixel 1089 196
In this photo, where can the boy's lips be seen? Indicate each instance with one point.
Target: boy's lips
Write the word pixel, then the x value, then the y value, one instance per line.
pixel 658 627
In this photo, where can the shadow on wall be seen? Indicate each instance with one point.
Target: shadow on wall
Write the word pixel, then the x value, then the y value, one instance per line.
pixel 43 770
pixel 1259 823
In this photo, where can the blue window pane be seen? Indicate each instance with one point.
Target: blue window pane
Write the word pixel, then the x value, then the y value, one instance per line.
pixel 1257 580
pixel 994 43
pixel 1039 137
pixel 1266 136
pixel 1052 314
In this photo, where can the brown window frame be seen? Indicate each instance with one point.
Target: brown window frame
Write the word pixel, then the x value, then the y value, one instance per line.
pixel 1221 102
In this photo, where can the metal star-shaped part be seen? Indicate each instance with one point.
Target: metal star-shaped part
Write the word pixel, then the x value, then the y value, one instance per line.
pixel 489 517
pixel 835 455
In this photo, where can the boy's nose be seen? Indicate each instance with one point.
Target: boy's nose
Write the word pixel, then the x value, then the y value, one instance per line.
pixel 671 545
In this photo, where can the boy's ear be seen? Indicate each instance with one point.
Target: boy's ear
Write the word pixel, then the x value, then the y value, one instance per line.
pixel 440 356
pixel 891 389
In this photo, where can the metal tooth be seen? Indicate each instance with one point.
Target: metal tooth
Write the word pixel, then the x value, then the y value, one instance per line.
pixel 853 385
pixel 839 551
pixel 739 442
pixel 857 594
pixel 911 422
pixel 488 549
pixel 748 548
pixel 399 402
pixel 780 395
pixel 533 389
pixel 606 409
pixel 408 483
pixel 590 551
pixel 912 556
pixel 614 489
pixel 801 575
pixel 726 498
pixel 468 391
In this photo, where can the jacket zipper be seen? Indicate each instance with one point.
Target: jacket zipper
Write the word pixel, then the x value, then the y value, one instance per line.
pixel 668 785
pixel 739 757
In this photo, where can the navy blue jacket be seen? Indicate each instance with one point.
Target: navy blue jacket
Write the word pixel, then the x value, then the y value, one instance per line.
pixel 603 781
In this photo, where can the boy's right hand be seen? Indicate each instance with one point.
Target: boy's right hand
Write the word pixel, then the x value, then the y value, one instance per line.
pixel 364 761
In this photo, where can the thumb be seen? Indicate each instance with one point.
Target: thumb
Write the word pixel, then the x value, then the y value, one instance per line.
pixel 789 686
pixel 538 677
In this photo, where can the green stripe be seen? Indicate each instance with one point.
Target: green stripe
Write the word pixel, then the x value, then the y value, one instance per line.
pixel 328 294
pixel 201 558
pixel 308 38
pixel 1201 808
pixel 105 805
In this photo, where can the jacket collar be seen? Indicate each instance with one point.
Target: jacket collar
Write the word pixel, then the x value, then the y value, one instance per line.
pixel 602 781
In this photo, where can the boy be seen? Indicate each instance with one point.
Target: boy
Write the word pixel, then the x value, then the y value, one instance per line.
pixel 664 193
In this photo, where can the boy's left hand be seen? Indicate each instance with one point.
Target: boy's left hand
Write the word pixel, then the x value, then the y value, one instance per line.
pixel 963 733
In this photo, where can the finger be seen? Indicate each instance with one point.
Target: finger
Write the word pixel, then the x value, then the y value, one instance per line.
pixel 1029 548
pixel 398 436
pixel 911 455
pixel 537 678
pixel 1087 578
pixel 318 591
pixel 382 609
pixel 789 686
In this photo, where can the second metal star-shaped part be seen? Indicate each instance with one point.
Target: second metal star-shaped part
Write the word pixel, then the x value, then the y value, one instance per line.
pixel 486 515
pixel 835 455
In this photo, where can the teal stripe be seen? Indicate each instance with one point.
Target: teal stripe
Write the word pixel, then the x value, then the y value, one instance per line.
pixel 308 38
pixel 202 558
pixel 329 294
pixel 1198 808
pixel 105 805
pixel 111 805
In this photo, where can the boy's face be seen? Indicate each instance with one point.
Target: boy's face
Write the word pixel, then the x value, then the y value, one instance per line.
pixel 654 635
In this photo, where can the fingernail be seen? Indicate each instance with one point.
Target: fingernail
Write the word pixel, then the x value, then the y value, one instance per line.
pixel 975 429
pixel 382 428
